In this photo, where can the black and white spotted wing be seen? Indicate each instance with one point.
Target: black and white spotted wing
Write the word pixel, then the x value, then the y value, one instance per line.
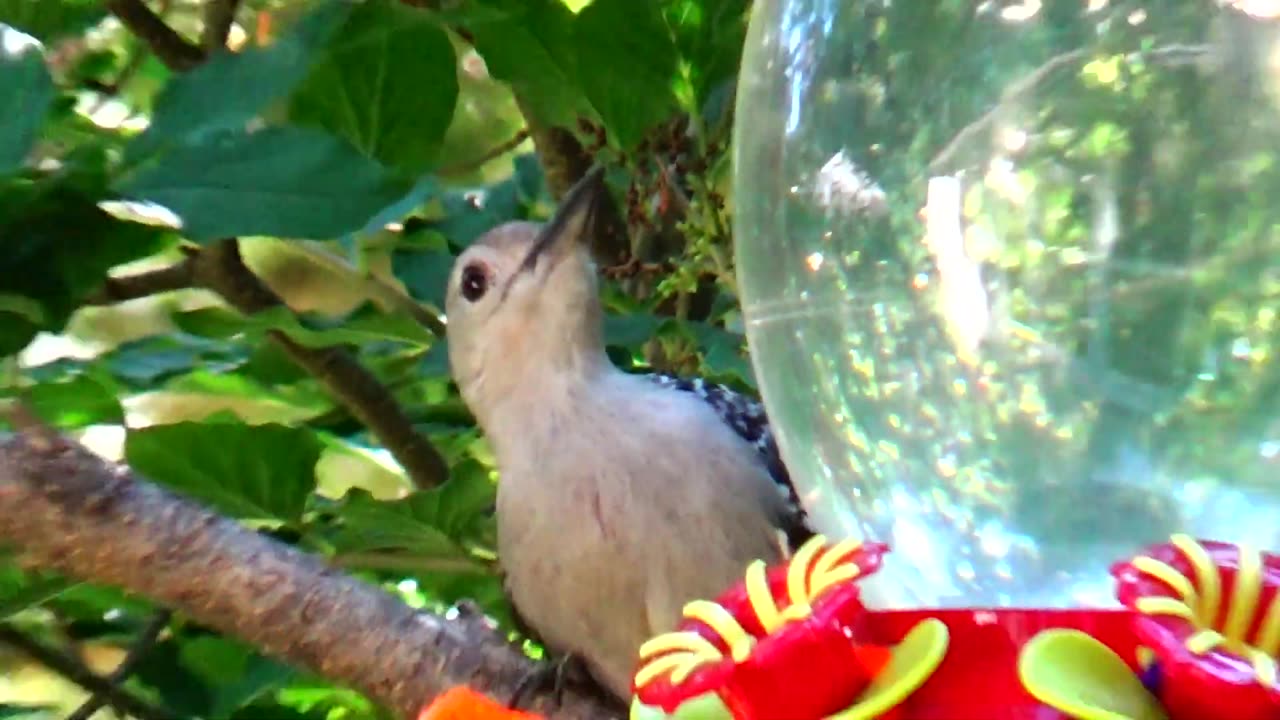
pixel 748 419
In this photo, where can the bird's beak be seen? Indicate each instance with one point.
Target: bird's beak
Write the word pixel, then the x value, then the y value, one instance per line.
pixel 572 222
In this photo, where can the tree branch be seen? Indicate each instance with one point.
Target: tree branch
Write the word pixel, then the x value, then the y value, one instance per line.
pixel 75 671
pixel 220 268
pixel 177 276
pixel 493 153
pixel 219 15
pixel 172 49
pixel 73 512
pixel 382 293
pixel 564 162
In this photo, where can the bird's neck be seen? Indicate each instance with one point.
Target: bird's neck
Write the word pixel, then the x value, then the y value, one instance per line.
pixel 537 388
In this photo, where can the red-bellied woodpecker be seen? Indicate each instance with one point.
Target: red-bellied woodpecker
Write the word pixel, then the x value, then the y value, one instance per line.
pixel 620 496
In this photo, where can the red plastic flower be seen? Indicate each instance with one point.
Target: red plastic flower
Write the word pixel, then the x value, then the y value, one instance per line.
pixel 1210 614
pixel 783 644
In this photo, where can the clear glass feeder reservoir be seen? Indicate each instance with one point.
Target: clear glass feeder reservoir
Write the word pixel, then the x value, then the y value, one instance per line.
pixel 1011 276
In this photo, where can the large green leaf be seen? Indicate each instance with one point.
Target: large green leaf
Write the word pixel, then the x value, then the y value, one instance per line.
pixel 27 89
pixel 74 403
pixel 709 35
pixel 239 673
pixel 280 181
pixel 632 329
pixel 423 272
pixel 58 246
pixel 17 329
pixel 469 214
pixel 21 589
pixel 247 471
pixel 230 89
pixel 724 352
pixel 49 20
pixel 626 64
pixel 432 523
pixel 388 83
pixel 208 676
pixel 528 44
pixel 426 187
pixel 148 361
pixel 365 326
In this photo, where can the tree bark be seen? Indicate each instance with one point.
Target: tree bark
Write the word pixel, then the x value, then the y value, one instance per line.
pixel 73 512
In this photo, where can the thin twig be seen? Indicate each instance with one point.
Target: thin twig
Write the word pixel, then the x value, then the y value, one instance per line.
pixel 144 642
pixel 493 154
pixel 374 287
pixel 75 671
pixel 219 15
pixel 171 48
pixel 177 276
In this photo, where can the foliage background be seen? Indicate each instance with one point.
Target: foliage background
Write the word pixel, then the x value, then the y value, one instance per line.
pixel 347 152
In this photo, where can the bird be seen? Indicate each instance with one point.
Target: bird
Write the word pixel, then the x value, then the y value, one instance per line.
pixel 621 496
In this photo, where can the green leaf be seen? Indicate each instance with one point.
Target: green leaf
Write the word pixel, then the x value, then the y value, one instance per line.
pixel 528 45
pixel 84 600
pixel 631 329
pixel 16 331
pixel 626 63
pixel 379 525
pixel 531 184
pixel 723 351
pixel 280 181
pixel 362 327
pixel 709 35
pixel 230 89
pixel 27 712
pixel 247 471
pixel 58 246
pixel 49 20
pixel 388 83
pixel 181 690
pixel 313 700
pixel 435 363
pixel 423 272
pixel 75 403
pixel 469 214
pixel 425 189
pixel 152 360
pixel 28 92
pixel 20 589
pixel 236 672
pixel 430 522
pixel 272 711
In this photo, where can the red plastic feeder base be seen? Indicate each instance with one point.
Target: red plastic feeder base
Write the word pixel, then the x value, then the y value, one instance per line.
pixel 978 677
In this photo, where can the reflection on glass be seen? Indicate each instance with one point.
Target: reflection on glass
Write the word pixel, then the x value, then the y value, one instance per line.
pixel 1011 273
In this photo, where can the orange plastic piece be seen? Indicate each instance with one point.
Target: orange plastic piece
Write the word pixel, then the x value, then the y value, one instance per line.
pixel 462 703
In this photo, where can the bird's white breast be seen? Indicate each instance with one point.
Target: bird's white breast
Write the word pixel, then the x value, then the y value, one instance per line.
pixel 620 505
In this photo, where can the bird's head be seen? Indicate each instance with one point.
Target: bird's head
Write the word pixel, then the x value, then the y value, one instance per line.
pixel 522 302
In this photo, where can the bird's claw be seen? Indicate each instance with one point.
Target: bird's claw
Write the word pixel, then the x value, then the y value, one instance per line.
pixel 553 675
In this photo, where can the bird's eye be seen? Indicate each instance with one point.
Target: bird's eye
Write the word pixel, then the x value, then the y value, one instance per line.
pixel 474 283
